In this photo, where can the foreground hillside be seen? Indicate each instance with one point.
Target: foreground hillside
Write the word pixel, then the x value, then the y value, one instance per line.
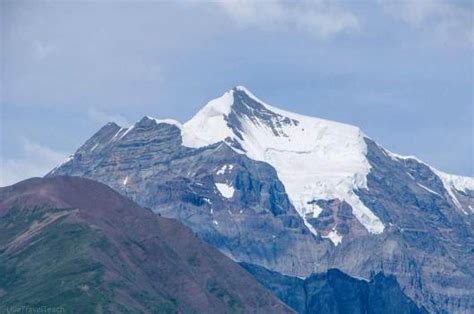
pixel 76 243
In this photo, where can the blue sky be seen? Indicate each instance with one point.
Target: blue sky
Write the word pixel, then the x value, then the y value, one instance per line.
pixel 400 70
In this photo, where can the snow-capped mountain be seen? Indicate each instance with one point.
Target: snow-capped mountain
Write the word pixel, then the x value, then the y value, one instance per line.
pixel 314 158
pixel 295 194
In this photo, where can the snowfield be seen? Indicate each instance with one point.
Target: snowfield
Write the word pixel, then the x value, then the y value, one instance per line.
pixel 225 189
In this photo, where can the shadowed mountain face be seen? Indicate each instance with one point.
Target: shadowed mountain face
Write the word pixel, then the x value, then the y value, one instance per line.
pixel 76 243
pixel 334 292
pixel 295 194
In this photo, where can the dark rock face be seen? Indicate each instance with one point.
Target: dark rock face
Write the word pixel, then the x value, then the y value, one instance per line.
pixel 77 244
pixel 335 292
pixel 336 215
pixel 148 164
pixel 246 107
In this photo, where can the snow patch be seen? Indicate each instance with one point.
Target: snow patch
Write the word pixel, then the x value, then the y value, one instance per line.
pixel 427 189
pixel 126 132
pixel 309 226
pixel 116 136
pixel 334 236
pixel 316 210
pixel 224 169
pixel 125 180
pixel 226 190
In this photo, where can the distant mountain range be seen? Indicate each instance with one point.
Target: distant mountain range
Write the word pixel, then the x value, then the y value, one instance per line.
pixel 296 195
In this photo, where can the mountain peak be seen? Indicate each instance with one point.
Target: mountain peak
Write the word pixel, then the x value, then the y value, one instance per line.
pixel 148 121
pixel 295 145
pixel 224 104
pixel 241 88
pixel 145 122
pixel 242 93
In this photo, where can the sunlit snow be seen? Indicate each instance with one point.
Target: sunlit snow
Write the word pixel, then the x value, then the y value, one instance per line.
pixel 334 236
pixel 224 169
pixel 226 190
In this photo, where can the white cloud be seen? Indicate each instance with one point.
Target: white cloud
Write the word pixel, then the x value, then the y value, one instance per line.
pixel 320 18
pixel 449 22
pixel 327 23
pixel 102 118
pixel 248 12
pixel 34 160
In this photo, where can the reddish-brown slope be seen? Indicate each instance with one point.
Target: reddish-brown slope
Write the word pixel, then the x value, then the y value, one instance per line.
pixel 144 259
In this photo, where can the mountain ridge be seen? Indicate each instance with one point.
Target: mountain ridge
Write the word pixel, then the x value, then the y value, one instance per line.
pixel 335 292
pixel 213 124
